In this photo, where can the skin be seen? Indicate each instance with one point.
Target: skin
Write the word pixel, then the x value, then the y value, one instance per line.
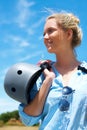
pixel 57 41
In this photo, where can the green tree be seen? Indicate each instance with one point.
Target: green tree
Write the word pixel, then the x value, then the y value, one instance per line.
pixel 8 115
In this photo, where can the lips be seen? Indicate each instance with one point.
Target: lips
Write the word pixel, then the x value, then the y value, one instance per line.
pixel 49 43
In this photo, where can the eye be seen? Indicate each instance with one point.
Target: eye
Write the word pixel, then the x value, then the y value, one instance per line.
pixel 49 31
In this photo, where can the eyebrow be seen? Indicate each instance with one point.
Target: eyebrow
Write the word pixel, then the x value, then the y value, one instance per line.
pixel 49 28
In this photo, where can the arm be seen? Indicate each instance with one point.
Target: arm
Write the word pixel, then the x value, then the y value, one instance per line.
pixel 35 108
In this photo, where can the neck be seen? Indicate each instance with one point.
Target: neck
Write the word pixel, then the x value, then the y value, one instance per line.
pixel 66 61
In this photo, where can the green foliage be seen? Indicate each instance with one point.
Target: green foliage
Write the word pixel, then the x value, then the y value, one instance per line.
pixel 8 115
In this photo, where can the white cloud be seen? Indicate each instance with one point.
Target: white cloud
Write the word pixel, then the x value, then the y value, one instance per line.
pixel 14 38
pixel 48 10
pixel 24 44
pixel 38 23
pixel 31 30
pixel 17 40
pixel 24 12
pixel 31 56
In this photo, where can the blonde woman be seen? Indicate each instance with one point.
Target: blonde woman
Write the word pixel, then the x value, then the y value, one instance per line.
pixel 61 100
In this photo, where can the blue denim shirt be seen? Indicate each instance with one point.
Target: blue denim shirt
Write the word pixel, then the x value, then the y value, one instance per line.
pixel 52 118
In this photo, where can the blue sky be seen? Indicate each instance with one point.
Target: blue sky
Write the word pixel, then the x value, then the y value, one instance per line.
pixel 21 35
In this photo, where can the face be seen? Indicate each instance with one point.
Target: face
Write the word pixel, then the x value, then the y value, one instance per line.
pixel 54 36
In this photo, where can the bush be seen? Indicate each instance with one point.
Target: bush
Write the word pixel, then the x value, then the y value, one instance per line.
pixel 5 117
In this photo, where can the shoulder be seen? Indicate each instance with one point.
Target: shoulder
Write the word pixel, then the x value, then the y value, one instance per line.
pixel 83 67
pixel 84 64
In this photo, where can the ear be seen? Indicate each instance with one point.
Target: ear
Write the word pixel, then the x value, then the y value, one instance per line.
pixel 69 34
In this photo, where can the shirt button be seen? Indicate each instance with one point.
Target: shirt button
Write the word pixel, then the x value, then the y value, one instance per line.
pixel 78 73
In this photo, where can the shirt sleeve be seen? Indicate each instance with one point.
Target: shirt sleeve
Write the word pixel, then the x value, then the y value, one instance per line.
pixel 29 120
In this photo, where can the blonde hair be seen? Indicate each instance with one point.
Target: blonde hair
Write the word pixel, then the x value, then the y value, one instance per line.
pixel 69 21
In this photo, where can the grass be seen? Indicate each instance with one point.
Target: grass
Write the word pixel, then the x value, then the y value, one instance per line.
pixel 18 128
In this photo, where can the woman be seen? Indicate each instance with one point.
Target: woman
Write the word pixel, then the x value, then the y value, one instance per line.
pixel 61 100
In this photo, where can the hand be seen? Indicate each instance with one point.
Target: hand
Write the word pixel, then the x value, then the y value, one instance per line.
pixel 49 74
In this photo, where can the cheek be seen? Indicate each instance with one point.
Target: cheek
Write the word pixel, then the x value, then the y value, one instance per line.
pixel 56 40
pixel 57 36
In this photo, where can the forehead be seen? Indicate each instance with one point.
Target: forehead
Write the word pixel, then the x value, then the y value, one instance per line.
pixel 50 23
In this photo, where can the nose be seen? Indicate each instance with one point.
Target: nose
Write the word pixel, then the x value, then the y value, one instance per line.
pixel 46 36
